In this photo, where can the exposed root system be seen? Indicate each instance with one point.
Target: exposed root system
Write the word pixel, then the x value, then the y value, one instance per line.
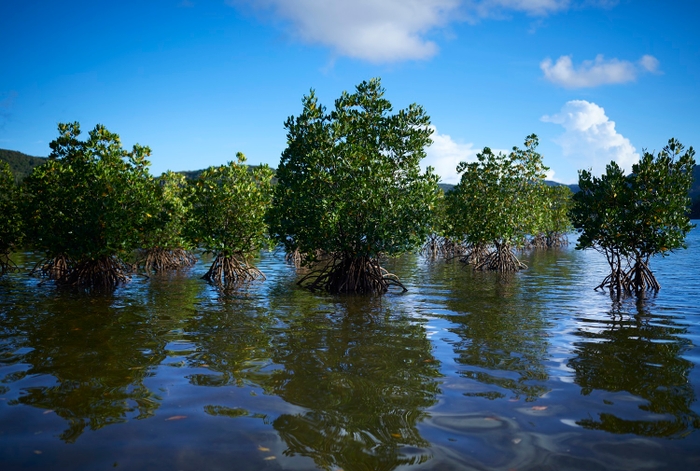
pixel 101 274
pixel 6 264
pixel 350 274
pixel 547 241
pixel 628 275
pixel 105 273
pixel 501 259
pixel 439 246
pixel 557 239
pixel 298 259
pixel 538 242
pixel 230 271
pixel 433 246
pixel 54 268
pixel 158 259
pixel 294 257
pixel 474 254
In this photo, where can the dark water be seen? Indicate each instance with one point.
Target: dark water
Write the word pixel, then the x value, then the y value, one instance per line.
pixel 535 371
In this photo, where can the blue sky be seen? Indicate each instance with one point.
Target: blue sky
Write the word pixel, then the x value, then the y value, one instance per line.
pixel 197 81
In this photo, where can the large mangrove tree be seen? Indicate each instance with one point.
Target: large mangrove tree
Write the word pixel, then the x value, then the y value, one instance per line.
pixel 630 218
pixel 85 208
pixel 350 188
pixel 227 218
pixel 497 203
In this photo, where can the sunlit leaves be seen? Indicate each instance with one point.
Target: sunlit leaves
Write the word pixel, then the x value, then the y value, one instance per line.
pixel 228 206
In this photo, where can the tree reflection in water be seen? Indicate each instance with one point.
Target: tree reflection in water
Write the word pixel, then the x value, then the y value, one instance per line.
pixel 503 337
pixel 365 375
pixel 96 356
pixel 640 352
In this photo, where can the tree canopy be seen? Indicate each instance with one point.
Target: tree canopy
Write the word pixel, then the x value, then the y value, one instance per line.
pixel 630 218
pixel 350 187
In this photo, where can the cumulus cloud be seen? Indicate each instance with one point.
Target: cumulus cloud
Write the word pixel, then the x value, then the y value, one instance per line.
pixel 391 30
pixel 444 155
pixel 372 30
pixel 596 72
pixel 649 63
pixel 590 139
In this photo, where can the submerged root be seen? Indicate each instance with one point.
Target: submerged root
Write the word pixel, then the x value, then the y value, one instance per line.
pixel 501 259
pixel 158 259
pixel 294 257
pixel 538 242
pixel 439 246
pixel 475 254
pixel 6 264
pixel 104 273
pixel 54 269
pixel 634 278
pixel 230 271
pixel 556 239
pixel 299 259
pixel 348 274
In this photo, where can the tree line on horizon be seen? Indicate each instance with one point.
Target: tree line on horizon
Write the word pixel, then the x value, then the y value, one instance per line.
pixel 348 191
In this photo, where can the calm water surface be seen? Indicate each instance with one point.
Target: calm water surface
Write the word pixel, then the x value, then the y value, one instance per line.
pixel 533 371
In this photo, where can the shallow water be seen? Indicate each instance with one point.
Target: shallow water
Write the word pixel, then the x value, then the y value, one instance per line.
pixel 464 371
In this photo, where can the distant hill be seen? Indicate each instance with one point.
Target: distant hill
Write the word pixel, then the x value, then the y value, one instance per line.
pixel 194 174
pixel 21 164
pixel 446 187
pixel 695 189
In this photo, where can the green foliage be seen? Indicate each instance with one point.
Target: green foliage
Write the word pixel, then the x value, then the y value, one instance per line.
pixel 21 165
pixel 228 207
pixel 553 221
pixel 349 181
pixel 10 217
pixel 499 199
pixel 89 201
pixel 164 245
pixel 632 217
pixel 166 226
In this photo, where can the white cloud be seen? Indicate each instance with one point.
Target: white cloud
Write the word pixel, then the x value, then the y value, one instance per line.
pixel 391 30
pixel 373 30
pixel 596 72
pixel 444 155
pixel 649 63
pixel 590 139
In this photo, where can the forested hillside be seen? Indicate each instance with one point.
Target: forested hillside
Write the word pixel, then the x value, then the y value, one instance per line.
pixel 20 164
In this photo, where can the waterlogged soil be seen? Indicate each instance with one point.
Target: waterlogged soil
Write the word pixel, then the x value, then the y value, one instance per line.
pixel 465 371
